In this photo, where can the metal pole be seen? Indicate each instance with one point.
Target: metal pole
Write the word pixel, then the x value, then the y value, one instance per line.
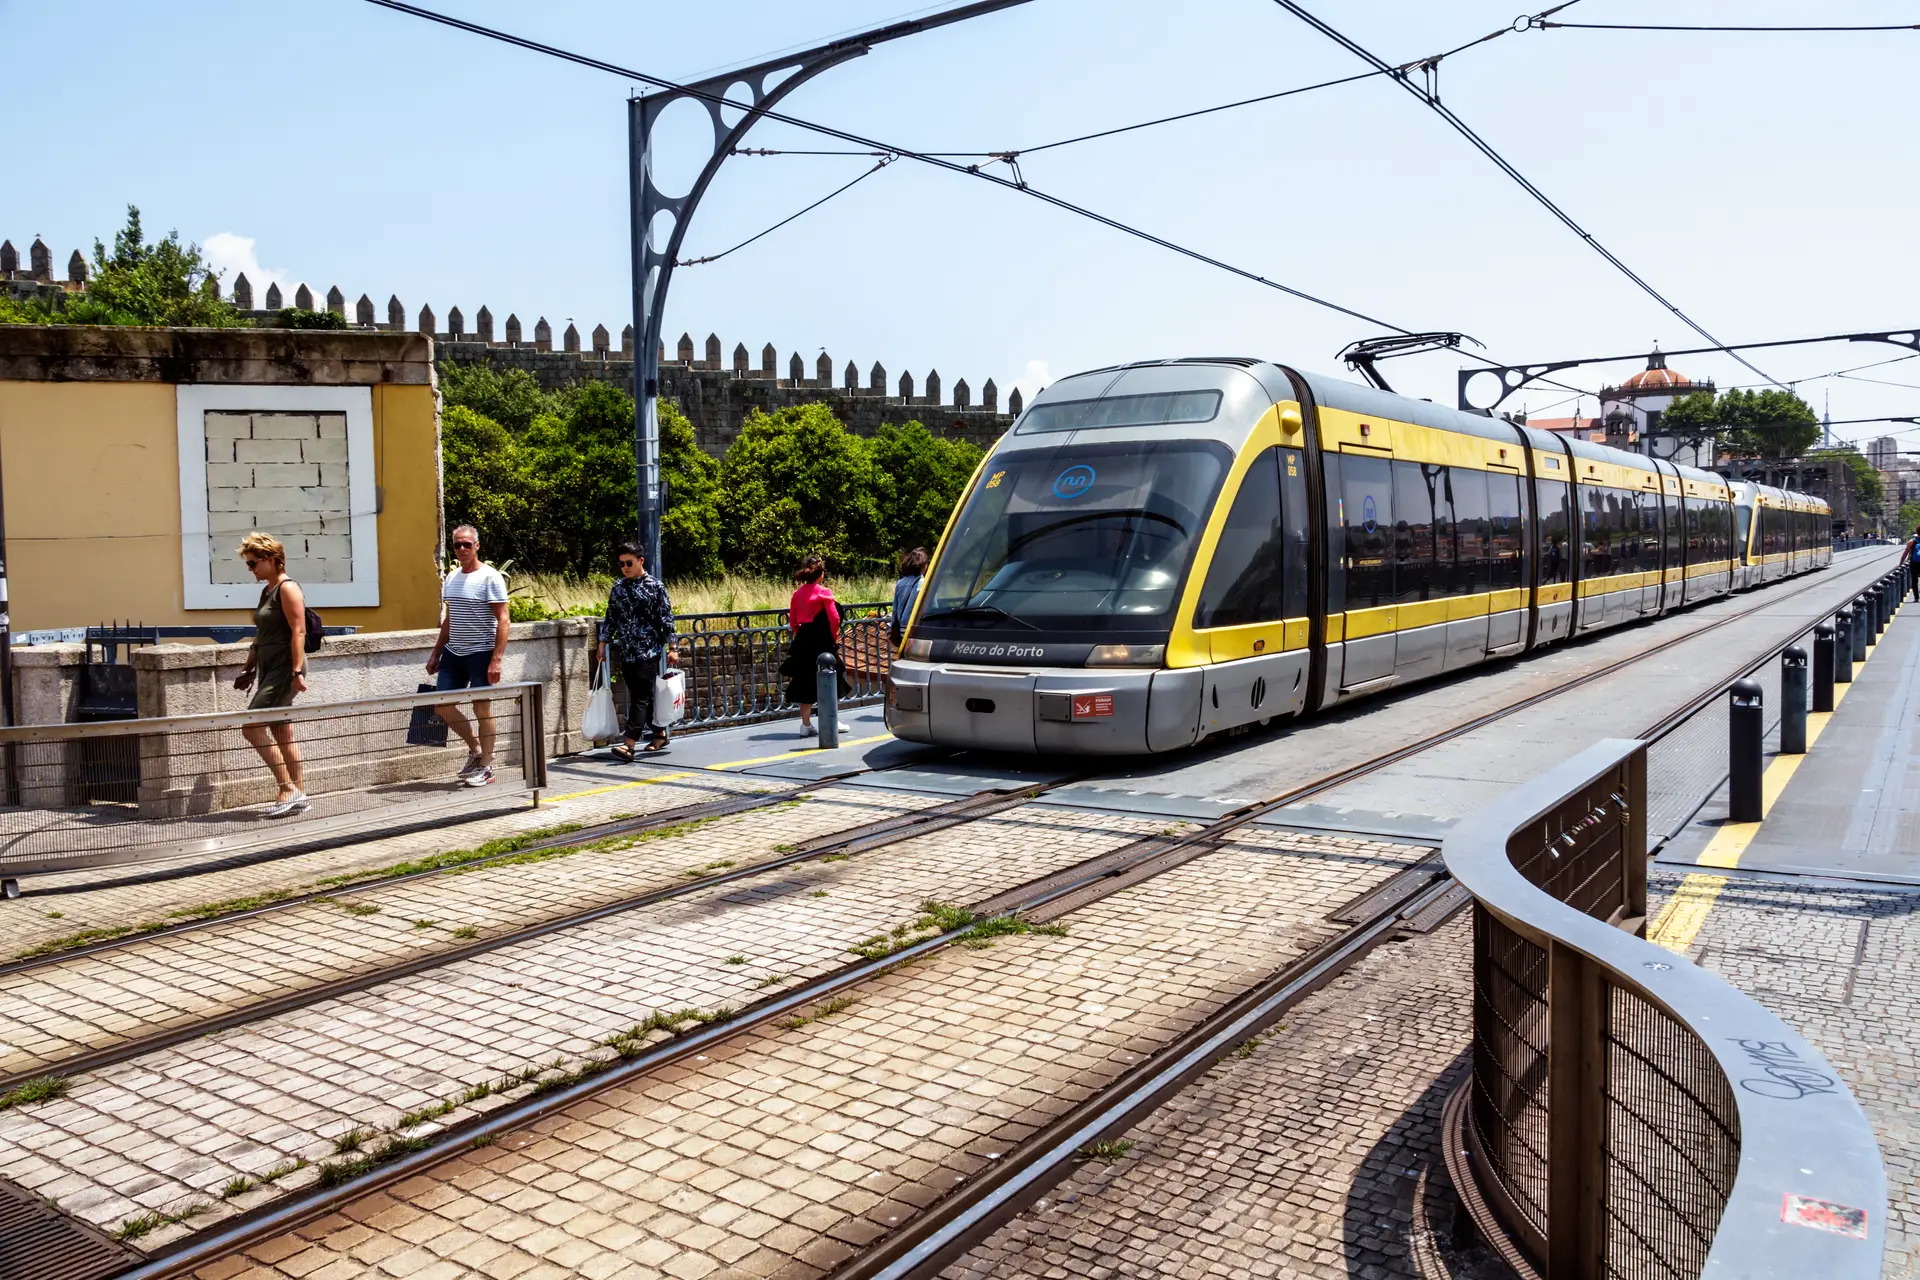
pixel 1793 701
pixel 1823 659
pixel 1843 647
pixel 1746 724
pixel 826 692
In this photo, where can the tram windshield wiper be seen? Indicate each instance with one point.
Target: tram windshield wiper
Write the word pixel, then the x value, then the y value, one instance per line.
pixel 977 611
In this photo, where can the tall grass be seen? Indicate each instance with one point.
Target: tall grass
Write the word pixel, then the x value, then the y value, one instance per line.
pixel 567 594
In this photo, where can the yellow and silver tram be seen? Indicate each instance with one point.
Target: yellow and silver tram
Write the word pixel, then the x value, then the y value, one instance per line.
pixel 1163 551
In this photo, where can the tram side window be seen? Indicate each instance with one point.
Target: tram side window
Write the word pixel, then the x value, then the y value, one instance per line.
pixel 1295 510
pixel 1693 524
pixel 1416 571
pixel 1556 529
pixel 1676 531
pixel 1743 524
pixel 1334 516
pixel 1367 506
pixel 1245 582
pixel 1471 572
pixel 1597 531
pixel 1506 530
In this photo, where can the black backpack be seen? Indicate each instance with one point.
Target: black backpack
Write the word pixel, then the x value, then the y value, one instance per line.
pixel 316 628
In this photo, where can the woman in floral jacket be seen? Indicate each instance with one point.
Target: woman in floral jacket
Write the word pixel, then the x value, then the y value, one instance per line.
pixel 639 626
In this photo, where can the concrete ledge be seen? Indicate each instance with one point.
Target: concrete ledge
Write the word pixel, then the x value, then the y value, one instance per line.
pixel 297 357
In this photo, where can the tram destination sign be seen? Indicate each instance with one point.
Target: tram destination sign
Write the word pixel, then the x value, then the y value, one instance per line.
pixel 1011 652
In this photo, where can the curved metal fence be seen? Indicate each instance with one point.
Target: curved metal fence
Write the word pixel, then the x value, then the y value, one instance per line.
pixel 1631 1115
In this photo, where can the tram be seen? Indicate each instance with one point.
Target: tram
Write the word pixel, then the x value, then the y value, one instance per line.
pixel 1159 552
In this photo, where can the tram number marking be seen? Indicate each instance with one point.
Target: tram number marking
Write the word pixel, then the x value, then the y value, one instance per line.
pixel 1293 466
pixel 1089 706
pixel 1074 481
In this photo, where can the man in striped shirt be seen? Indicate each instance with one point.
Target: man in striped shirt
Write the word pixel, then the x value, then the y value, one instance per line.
pixel 470 648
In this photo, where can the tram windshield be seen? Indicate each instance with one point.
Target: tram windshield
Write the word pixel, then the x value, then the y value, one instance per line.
pixel 1078 538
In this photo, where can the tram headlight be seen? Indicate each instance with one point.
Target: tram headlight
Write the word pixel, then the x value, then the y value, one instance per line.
pixel 918 651
pixel 1127 655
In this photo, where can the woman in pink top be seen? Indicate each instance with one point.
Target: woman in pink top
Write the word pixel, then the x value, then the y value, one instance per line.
pixel 814 620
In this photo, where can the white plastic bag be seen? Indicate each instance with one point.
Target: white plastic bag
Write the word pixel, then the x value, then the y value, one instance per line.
pixel 601 722
pixel 669 697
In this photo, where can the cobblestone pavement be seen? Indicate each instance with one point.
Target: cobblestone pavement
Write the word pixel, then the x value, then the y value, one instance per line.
pixel 119 896
pixel 163 1129
pixel 1841 967
pixel 90 1001
pixel 1313 1151
pixel 791 1146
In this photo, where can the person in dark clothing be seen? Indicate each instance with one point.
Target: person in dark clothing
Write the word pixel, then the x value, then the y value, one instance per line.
pixel 1911 555
pixel 913 569
pixel 639 627
pixel 814 621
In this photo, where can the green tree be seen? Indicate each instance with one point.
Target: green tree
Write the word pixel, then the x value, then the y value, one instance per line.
pixel 1909 520
pixel 926 476
pixel 510 397
pixel 1767 424
pixel 1747 424
pixel 581 465
pixel 485 482
pixel 795 482
pixel 690 526
pixel 165 283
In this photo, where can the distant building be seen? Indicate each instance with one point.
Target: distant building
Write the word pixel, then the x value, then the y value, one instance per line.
pixel 1592 430
pixel 1882 453
pixel 1631 413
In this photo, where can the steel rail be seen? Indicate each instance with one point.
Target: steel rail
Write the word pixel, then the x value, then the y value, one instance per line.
pixel 639 824
pixel 973 1211
pixel 872 835
pixel 199 1250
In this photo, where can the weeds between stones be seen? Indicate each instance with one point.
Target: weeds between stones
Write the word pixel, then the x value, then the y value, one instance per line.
pixel 938 918
pixel 38 1089
pixel 142 1223
pixel 1107 1149
pixel 839 1004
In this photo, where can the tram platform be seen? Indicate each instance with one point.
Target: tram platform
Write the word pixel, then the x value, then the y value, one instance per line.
pixel 1815 910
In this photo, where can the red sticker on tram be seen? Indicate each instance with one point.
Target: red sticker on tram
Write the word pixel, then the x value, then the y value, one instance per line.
pixel 1824 1215
pixel 1086 706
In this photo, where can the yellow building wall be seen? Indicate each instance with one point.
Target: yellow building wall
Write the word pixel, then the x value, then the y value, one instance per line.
pixel 91 483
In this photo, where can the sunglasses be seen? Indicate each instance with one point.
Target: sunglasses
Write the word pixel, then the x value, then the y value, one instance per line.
pixel 459 545
pixel 253 563
pixel 628 564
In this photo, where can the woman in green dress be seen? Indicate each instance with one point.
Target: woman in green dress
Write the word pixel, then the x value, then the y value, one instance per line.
pixel 278 660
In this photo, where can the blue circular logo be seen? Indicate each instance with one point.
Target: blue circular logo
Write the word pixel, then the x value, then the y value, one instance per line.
pixel 1073 482
pixel 1369 515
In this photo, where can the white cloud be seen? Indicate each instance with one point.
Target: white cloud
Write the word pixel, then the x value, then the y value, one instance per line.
pixel 1037 374
pixel 231 254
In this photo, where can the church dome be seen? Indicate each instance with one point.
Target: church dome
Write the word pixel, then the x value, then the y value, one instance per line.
pixel 1657 379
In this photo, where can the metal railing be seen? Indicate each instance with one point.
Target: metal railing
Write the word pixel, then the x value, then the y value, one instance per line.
pixel 75 796
pixel 733 661
pixel 1631 1115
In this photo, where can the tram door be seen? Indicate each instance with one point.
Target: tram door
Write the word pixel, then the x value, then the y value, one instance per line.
pixel 1366 516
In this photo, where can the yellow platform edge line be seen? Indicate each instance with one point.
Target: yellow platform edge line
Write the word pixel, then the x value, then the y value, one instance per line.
pixel 705 768
pixel 1685 913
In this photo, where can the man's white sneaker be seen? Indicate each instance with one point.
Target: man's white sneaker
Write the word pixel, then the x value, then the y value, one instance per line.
pixel 480 778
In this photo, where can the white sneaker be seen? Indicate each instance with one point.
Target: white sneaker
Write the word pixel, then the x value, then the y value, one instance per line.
pixel 480 777
pixel 295 803
pixel 471 767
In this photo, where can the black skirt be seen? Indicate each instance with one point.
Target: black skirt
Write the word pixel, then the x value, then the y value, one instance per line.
pixel 812 639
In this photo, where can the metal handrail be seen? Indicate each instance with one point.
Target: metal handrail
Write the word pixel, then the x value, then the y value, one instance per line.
pixel 1805 1148
pixel 200 720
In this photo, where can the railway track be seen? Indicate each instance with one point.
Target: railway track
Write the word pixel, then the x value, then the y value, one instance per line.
pixel 1420 894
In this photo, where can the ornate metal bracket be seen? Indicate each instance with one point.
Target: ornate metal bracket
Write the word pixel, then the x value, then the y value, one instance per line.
pixel 1513 377
pixel 751 92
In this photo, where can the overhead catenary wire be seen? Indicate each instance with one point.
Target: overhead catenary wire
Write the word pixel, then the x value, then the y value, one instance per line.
pixel 869 146
pixel 858 140
pixel 1433 103
pixel 715 257
pixel 1661 26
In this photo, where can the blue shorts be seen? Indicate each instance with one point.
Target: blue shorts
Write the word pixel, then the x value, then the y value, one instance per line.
pixel 463 670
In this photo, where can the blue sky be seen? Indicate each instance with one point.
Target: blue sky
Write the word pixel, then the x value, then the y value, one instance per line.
pixel 1764 182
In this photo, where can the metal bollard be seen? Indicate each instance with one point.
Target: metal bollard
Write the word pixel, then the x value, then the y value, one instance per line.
pixel 1862 628
pixel 1879 611
pixel 1823 667
pixel 1843 646
pixel 826 691
pixel 1793 701
pixel 1746 726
